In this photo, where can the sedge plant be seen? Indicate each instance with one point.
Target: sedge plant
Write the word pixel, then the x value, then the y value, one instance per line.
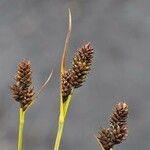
pixel 23 92
pixel 71 79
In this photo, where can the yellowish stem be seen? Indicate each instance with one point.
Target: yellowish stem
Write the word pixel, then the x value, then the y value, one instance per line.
pixel 59 134
pixel 61 123
pixel 21 128
pixel 66 105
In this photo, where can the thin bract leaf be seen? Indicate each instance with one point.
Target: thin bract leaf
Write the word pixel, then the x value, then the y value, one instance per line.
pixel 44 85
pixel 41 89
pixel 99 142
pixel 63 61
pixel 63 64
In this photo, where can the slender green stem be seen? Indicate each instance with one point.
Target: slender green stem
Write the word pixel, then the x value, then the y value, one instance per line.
pixel 21 128
pixel 59 135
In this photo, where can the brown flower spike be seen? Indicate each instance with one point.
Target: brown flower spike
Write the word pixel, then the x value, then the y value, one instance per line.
pixel 118 130
pixel 120 114
pixel 74 78
pixel 21 89
pixel 81 65
pixel 66 86
pixel 118 122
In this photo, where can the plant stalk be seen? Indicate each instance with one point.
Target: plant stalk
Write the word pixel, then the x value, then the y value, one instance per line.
pixel 59 134
pixel 63 106
pixel 21 128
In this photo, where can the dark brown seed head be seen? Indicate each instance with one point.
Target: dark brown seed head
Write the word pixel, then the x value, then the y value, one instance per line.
pixel 105 138
pixel 66 86
pixel 85 54
pixel 118 130
pixel 81 65
pixel 24 74
pixel 21 90
pixel 120 114
pixel 118 123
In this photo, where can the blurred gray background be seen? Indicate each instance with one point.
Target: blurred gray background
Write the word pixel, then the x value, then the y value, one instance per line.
pixel 120 34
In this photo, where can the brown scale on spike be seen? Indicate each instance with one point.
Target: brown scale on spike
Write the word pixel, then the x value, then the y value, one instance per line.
pixel 28 98
pixel 120 114
pixel 21 90
pixel 81 65
pixel 17 93
pixel 66 86
pixel 105 138
pixel 24 74
pixel 85 54
pixel 119 133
